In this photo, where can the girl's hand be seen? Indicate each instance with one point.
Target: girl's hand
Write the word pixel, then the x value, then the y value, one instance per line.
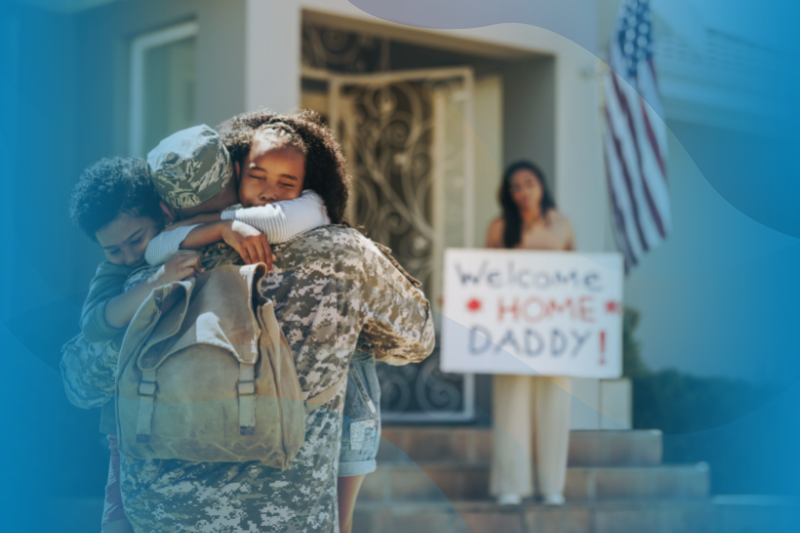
pixel 251 244
pixel 204 218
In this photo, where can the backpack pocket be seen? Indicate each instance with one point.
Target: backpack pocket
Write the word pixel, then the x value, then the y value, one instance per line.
pixel 213 381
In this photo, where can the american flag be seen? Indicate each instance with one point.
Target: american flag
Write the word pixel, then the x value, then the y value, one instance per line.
pixel 635 141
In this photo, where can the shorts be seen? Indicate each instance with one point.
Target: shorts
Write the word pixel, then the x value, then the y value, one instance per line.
pixel 112 506
pixel 361 425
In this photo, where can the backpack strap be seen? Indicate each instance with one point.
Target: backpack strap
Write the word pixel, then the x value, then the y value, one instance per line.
pixel 147 398
pixel 246 389
pixel 325 396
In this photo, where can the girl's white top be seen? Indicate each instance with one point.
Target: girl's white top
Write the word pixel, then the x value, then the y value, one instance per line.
pixel 279 222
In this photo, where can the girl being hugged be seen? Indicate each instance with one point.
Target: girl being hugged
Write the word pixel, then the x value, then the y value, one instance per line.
pixel 292 177
pixel 279 192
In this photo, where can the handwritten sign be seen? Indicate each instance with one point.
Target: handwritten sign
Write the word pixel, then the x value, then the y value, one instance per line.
pixel 538 313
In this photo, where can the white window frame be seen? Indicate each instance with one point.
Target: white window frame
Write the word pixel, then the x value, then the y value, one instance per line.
pixel 139 47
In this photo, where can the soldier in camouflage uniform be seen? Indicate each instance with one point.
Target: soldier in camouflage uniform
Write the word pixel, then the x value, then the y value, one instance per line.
pixel 192 170
pixel 335 290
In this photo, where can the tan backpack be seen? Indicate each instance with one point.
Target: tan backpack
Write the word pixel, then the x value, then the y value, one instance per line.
pixel 205 374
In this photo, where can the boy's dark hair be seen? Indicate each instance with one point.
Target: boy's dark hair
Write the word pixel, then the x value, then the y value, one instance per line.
pixel 326 171
pixel 109 187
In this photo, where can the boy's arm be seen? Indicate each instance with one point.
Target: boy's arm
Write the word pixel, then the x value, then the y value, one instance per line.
pixel 107 283
pixel 166 244
pixel 120 310
pixel 284 220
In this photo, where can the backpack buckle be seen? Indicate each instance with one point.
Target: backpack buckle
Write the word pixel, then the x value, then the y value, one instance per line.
pixel 246 388
pixel 147 388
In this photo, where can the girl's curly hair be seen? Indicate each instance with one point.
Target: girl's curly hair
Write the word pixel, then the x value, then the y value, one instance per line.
pixel 326 170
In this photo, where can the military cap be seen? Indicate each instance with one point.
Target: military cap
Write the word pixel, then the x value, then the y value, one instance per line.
pixel 190 166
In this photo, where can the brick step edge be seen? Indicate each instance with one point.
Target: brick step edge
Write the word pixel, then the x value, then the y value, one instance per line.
pixel 660 516
pixel 470 445
pixel 402 482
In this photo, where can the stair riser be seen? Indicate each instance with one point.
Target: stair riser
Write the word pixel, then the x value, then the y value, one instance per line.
pixel 474 446
pixel 678 518
pixel 392 483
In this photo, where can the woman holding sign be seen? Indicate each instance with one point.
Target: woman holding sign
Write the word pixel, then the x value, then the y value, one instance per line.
pixel 531 413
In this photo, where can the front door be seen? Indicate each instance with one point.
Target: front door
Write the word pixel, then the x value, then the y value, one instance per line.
pixel 407 139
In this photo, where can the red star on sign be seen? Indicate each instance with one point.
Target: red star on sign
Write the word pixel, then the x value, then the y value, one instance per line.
pixel 474 305
pixel 612 307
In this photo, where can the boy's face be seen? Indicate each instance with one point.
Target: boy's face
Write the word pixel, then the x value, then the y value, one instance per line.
pixel 124 240
pixel 270 173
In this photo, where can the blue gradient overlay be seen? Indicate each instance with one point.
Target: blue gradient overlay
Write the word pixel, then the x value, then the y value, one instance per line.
pixel 722 294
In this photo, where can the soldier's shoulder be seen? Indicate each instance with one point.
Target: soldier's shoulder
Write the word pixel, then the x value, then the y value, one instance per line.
pixel 341 239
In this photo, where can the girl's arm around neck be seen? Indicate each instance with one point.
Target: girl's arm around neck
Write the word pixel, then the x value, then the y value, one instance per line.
pixel 284 220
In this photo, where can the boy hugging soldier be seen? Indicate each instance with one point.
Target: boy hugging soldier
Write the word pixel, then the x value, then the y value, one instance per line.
pixel 127 206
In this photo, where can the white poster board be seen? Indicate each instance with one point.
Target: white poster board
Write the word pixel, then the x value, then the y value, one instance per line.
pixel 537 313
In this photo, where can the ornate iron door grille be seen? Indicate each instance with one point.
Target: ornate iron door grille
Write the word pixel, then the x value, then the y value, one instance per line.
pixel 409 149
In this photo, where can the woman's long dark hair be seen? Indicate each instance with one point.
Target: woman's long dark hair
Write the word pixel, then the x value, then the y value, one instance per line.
pixel 512 234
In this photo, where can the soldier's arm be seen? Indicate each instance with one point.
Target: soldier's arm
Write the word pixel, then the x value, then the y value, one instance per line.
pixel 87 370
pixel 399 321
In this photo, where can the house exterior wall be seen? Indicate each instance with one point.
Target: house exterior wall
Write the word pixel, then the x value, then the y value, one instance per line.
pixel 102 40
pixel 39 89
pixel 104 36
pixel 574 158
pixel 717 114
pixel 549 105
pixel 72 75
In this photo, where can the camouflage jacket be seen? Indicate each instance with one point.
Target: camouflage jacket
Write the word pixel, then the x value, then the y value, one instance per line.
pixel 333 289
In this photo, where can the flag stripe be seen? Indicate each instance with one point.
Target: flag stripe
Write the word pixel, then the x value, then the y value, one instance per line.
pixel 620 234
pixel 624 198
pixel 653 226
pixel 626 177
pixel 635 141
pixel 651 136
pixel 627 233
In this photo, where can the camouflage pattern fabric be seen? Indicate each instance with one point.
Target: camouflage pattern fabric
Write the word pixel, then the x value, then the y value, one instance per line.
pixel 88 371
pixel 190 166
pixel 214 255
pixel 334 290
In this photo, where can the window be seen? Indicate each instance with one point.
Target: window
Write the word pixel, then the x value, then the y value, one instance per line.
pixel 162 85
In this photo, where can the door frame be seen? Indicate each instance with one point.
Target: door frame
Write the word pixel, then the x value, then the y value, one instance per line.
pixel 335 83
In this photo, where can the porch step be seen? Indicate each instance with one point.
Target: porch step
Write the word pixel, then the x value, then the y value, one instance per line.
pixel 755 513
pixel 658 516
pixel 474 445
pixel 450 480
